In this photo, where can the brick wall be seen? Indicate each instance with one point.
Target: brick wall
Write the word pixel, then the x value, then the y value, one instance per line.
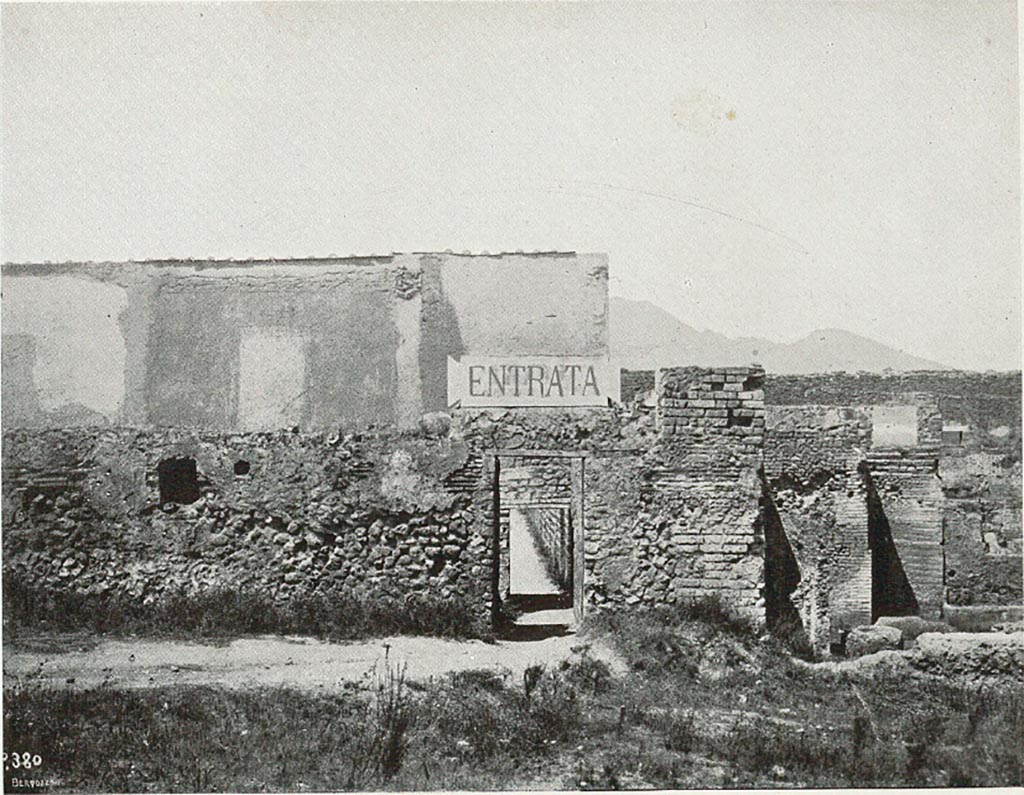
pixel 905 531
pixel 704 492
pixel 818 561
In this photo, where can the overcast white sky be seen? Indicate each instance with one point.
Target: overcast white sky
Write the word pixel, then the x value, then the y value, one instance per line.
pixel 756 169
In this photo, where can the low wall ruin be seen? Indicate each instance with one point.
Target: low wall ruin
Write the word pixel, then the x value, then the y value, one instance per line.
pixel 827 515
pixel 871 511
pixel 147 513
pixel 281 514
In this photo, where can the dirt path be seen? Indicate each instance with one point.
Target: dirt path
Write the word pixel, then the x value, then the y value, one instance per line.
pixel 272 661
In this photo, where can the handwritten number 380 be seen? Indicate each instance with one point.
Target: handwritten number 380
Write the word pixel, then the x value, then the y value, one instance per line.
pixel 25 761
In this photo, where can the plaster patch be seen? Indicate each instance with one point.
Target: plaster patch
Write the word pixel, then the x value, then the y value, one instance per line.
pixel 272 368
pixel 894 426
pixel 80 349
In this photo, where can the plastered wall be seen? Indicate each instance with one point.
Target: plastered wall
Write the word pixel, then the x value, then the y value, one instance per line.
pixel 64 353
pixel 262 345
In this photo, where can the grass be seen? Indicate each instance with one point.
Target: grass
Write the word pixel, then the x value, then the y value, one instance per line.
pixel 756 718
pixel 704 703
pixel 224 612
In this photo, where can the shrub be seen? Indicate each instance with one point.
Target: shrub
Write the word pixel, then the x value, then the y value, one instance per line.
pixel 391 717
pixel 586 673
pixel 190 739
pixel 760 746
pixel 713 611
pixel 793 639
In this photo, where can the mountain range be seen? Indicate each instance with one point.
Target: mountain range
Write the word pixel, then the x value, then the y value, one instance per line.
pixel 644 336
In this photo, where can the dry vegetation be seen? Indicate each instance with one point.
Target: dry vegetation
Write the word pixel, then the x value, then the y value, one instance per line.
pixel 230 613
pixel 706 703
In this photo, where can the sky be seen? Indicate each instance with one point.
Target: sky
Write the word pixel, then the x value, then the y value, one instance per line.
pixel 757 169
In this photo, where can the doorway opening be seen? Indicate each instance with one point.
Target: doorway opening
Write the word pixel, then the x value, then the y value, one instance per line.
pixel 540 562
pixel 540 555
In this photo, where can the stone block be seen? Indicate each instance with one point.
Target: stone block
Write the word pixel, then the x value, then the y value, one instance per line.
pixel 912 626
pixel 436 423
pixel 869 639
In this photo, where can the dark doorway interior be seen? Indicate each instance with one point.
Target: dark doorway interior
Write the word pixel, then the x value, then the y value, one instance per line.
pixel 781 569
pixel 178 480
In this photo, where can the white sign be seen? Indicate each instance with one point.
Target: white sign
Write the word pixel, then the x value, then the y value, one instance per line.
pixel 532 381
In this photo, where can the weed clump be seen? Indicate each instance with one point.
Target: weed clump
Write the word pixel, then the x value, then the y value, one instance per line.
pixel 677 639
pixel 481 715
pixel 224 611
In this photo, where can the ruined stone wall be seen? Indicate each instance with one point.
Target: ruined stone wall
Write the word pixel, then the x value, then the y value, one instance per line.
pixel 942 505
pixel 294 514
pixel 989 403
pixel 312 515
pixel 982 528
pixel 818 562
pixel 606 449
pixel 670 498
pixel 635 384
pixel 854 521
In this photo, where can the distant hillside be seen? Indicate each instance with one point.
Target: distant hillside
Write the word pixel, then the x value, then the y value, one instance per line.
pixel 644 336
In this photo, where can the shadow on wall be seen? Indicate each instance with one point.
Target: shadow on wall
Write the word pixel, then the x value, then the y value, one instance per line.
pixel 782 572
pixel 891 593
pixel 440 337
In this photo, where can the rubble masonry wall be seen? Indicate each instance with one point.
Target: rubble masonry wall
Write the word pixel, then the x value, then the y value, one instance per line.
pixel 395 513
